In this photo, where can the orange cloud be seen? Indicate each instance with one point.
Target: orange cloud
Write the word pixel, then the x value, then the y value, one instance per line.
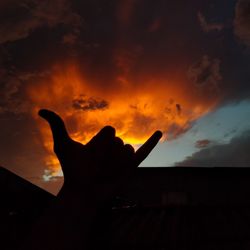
pixel 136 109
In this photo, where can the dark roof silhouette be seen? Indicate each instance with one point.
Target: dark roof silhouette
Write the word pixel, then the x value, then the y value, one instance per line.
pixel 176 208
pixel 21 203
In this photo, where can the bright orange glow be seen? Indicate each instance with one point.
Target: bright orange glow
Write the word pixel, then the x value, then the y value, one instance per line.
pixel 135 109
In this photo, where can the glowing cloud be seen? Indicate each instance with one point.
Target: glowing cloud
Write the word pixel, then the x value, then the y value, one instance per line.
pixel 135 110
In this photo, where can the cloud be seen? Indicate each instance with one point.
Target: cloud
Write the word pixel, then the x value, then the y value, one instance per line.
pixel 70 39
pixel 206 26
pixel 21 149
pixel 230 133
pixel 125 11
pixel 49 175
pixel 178 108
pixel 235 153
pixel 206 73
pixel 12 90
pixel 174 130
pixel 10 101
pixel 126 59
pixel 133 55
pixel 242 21
pixel 155 25
pixel 202 143
pixel 90 104
pixel 22 18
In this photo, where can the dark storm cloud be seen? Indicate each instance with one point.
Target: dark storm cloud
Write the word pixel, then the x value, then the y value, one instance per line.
pixel 10 98
pixel 174 131
pixel 12 90
pixel 21 150
pixel 20 63
pixel 235 153
pixel 242 21
pixel 206 72
pixel 89 104
pixel 207 26
pixel 178 109
pixel 20 18
pixel 113 41
pixel 155 25
pixel 202 143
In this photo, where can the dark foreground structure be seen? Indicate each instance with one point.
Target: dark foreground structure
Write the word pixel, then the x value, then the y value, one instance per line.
pixel 162 208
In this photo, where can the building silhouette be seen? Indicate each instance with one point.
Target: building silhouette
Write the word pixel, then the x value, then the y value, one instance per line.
pixel 162 208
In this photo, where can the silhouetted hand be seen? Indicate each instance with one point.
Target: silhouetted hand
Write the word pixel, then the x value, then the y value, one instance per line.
pixel 99 167
pixel 92 175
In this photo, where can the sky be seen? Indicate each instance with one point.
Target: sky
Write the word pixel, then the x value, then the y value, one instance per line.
pixel 182 67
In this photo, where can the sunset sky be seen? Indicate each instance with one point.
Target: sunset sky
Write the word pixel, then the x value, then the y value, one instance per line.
pixel 182 67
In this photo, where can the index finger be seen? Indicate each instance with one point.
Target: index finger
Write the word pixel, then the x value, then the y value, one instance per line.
pixel 142 153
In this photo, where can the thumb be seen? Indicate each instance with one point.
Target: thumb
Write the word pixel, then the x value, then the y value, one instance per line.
pixel 59 132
